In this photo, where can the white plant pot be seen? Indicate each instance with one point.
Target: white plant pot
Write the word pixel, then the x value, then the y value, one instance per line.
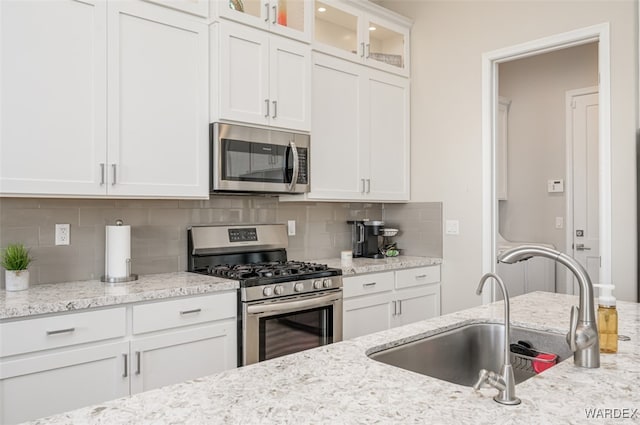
pixel 16 280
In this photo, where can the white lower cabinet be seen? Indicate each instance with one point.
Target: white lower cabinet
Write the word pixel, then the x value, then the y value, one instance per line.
pixel 45 384
pixel 379 301
pixel 182 339
pixel 66 361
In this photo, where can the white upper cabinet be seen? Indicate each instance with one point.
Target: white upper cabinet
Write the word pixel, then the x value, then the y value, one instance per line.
pixel 389 139
pixel 158 103
pixel 290 18
pixel 53 97
pixel 360 143
pixel 68 65
pixel 339 148
pixel 194 7
pixel 364 33
pixel 264 79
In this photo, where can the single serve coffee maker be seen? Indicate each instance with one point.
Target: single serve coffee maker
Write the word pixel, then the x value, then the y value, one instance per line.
pixel 365 238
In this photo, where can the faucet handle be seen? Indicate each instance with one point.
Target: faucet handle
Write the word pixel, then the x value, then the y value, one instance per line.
pixel 491 378
pixel 573 327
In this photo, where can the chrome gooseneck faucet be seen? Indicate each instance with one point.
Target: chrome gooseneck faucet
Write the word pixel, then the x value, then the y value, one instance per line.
pixel 583 332
pixel 505 383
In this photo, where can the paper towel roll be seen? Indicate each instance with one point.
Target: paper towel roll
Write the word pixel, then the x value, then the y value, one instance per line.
pixel 117 251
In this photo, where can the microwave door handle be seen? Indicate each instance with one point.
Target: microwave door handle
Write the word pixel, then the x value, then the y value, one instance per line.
pixel 296 166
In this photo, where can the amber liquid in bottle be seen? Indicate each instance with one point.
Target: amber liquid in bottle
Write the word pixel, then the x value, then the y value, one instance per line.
pixel 608 329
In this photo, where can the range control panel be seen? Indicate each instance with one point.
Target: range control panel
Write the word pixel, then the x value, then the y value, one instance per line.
pixel 248 234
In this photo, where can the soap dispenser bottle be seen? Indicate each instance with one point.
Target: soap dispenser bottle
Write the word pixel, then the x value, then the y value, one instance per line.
pixel 607 319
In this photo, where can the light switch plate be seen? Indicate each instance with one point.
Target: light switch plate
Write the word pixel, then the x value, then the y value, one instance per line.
pixel 452 227
pixel 291 227
pixel 555 186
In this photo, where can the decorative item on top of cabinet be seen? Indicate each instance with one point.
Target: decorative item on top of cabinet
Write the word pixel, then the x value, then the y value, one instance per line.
pixel 289 18
pixel 155 100
pixel 264 79
pixel 362 114
pixel 363 32
pixel 378 301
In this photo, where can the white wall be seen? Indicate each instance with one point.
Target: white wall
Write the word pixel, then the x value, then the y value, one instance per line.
pixel 448 40
pixel 537 87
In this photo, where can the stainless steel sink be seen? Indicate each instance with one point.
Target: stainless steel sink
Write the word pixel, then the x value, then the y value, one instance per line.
pixel 458 354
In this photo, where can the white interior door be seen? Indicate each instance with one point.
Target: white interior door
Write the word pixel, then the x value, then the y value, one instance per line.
pixel 585 229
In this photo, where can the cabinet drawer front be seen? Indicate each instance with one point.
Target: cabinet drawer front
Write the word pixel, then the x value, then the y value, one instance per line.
pixel 29 335
pixel 417 276
pixel 187 311
pixel 367 284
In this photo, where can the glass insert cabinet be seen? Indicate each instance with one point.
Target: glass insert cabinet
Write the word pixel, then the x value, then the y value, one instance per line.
pixel 352 33
pixel 290 18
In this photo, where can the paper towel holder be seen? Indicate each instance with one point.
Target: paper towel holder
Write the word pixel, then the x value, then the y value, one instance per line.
pixel 130 277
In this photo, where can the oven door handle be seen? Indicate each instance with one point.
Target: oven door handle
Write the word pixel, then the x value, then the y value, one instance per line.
pixel 296 166
pixel 292 305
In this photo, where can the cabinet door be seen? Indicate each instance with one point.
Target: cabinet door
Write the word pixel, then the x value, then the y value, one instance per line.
pixel 52 97
pixel 158 97
pixel 337 30
pixel 244 74
pixel 42 385
pixel 177 356
pixel 290 88
pixel 290 18
pixel 339 158
pixel 195 7
pixel 365 315
pixel 413 305
pixel 387 45
pixel 388 129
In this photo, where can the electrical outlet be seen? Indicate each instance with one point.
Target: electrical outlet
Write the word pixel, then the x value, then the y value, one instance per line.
pixel 291 227
pixel 63 234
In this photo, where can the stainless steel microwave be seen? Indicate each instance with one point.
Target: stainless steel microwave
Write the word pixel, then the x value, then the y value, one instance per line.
pixel 250 159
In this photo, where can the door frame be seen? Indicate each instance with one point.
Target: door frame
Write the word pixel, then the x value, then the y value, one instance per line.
pixel 490 61
pixel 569 95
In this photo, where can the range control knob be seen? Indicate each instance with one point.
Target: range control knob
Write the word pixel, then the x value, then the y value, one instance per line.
pixel 267 291
pixel 298 287
pixel 326 283
pixel 317 284
pixel 279 289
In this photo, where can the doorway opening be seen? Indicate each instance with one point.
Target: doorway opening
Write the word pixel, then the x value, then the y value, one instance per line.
pixel 492 188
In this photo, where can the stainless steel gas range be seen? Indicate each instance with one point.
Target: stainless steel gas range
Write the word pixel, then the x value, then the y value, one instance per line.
pixel 283 306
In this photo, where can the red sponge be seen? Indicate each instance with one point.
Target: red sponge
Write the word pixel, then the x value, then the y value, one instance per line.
pixel 539 366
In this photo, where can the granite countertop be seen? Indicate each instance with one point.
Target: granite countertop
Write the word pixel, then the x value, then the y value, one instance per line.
pixel 69 296
pixel 371 265
pixel 339 384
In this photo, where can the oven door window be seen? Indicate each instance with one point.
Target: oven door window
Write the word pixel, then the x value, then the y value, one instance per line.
pixel 253 162
pixel 296 331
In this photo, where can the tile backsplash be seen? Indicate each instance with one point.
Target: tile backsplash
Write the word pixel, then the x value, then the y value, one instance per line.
pixel 158 229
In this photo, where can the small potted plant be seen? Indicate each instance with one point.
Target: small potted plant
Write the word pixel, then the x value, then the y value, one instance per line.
pixel 15 259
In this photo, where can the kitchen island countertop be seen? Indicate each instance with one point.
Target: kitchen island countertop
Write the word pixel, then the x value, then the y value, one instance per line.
pixel 339 384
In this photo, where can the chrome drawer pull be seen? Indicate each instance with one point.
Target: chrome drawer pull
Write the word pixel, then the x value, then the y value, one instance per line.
pixel 61 331
pixel 126 365
pixel 364 285
pixel 422 276
pixel 197 310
